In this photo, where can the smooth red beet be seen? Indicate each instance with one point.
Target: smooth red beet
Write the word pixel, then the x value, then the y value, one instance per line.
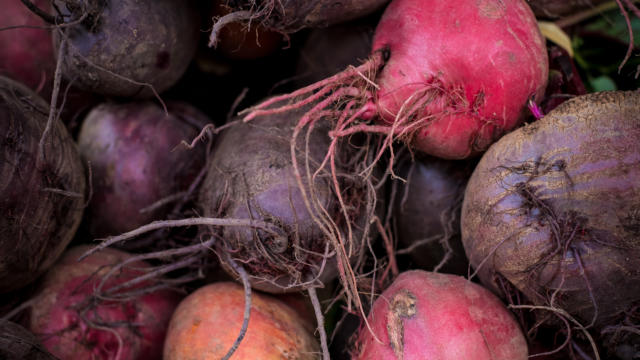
pixel 430 83
pixel 425 315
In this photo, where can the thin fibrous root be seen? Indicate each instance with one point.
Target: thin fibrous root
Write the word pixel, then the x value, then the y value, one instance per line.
pixel 320 320
pixel 235 16
pixel 315 91
pixel 247 304
pixel 160 224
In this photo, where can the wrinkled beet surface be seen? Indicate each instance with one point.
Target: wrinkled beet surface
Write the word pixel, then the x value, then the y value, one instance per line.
pixel 554 208
pixel 149 42
pixel 472 91
pixel 41 193
pixel 207 322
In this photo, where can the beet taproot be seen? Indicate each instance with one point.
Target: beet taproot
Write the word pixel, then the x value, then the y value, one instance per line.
pixel 207 322
pixel 123 47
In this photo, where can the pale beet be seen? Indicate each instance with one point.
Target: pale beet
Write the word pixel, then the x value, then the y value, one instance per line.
pixel 42 188
pixel 207 322
pixel 425 315
pixel 74 324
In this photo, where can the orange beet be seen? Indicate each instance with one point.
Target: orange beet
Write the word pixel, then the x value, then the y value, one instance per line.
pixel 207 322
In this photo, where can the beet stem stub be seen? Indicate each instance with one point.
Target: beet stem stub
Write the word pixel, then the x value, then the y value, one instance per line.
pixel 403 306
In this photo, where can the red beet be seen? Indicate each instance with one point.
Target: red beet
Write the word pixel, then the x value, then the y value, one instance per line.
pixel 72 324
pixel 252 175
pixel 447 77
pixel 136 161
pixel 27 52
pixel 425 315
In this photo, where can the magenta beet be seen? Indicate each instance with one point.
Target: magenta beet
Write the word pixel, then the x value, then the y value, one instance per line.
pixel 73 324
pixel 425 315
pixel 27 52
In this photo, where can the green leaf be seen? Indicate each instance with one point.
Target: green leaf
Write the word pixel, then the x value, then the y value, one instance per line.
pixel 602 83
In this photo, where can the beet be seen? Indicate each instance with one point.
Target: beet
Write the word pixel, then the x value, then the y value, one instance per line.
pixel 136 161
pixel 427 84
pixel 427 208
pixel 74 323
pixel 27 52
pixel 425 315
pixel 17 342
pixel 150 42
pixel 208 321
pixel 240 42
pixel 252 176
pixel 42 190
pixel 553 210
pixel 289 16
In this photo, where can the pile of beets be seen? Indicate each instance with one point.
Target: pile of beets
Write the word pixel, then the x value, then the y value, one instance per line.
pixel 319 179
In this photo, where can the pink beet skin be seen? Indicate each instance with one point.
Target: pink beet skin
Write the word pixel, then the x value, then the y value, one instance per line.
pixel 478 60
pixel 27 53
pixel 425 315
pixel 140 323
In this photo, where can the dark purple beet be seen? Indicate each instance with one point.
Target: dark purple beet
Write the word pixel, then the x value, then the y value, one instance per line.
pixel 554 209
pixel 42 193
pixel 251 176
pixel 149 41
pixel 17 342
pixel 136 159
pixel 428 206
pixel 289 16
